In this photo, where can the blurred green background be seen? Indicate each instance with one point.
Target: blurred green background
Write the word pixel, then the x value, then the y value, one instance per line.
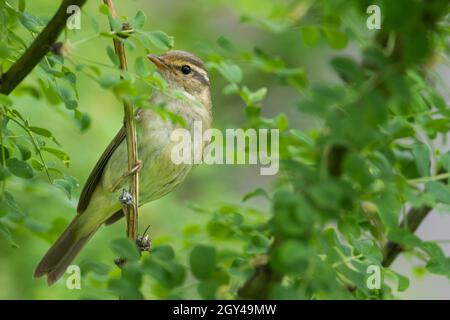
pixel 193 24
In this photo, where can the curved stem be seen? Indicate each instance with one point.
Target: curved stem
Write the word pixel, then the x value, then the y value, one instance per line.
pixel 131 211
pixel 33 141
pixel 441 176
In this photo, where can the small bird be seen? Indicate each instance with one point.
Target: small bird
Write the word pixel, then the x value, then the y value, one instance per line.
pixel 99 201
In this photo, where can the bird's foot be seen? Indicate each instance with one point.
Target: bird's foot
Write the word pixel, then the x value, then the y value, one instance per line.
pixel 136 168
pixel 126 198
pixel 144 242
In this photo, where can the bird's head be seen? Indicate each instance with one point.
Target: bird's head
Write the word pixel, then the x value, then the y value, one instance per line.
pixel 183 70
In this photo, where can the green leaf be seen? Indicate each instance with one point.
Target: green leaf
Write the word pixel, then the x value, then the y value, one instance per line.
pixel 207 289
pixel 335 38
pixel 445 161
pixel 348 69
pixel 259 95
pixel 20 168
pixel 132 272
pixel 389 207
pixel 41 131
pixel 405 238
pixel 103 9
pixel 4 208
pixel 293 216
pixel 226 44
pixel 258 244
pixel 141 67
pixel 158 38
pixel 125 248
pixel 438 101
pixel 4 173
pixel 139 20
pixel 421 154
pixel 375 58
pixel 310 35
pixel 4 152
pixel 64 157
pixel 282 121
pixel 231 72
pixel 5 233
pixel 439 266
pixel 14 210
pixel 112 56
pixel 203 261
pixel 21 5
pixel 5 52
pixel 5 100
pixel 250 98
pixel 402 281
pixel 291 257
pixel 168 273
pixel 163 252
pixel 31 22
pixel 419 199
pixel 83 120
pixel 88 266
pixel 369 249
pixel 24 152
pixel 108 80
pixel 36 165
pixel 440 191
pixel 295 77
pixel 125 289
pixel 67 185
pixel 256 192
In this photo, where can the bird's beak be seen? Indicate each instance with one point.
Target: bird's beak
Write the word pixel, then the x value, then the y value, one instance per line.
pixel 158 61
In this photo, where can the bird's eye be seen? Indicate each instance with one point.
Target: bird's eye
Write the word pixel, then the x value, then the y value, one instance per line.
pixel 186 69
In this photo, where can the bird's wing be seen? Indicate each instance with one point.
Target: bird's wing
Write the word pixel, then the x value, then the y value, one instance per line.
pixel 97 172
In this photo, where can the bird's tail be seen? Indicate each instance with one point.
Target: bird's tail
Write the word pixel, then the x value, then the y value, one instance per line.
pixel 62 253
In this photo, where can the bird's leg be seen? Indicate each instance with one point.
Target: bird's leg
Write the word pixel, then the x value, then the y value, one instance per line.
pixel 144 242
pixel 136 168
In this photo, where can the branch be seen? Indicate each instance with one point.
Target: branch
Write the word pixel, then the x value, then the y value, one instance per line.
pixel 131 211
pixel 411 222
pixel 259 285
pixel 38 49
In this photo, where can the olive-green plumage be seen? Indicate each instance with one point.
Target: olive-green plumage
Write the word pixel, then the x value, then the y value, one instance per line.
pixel 98 204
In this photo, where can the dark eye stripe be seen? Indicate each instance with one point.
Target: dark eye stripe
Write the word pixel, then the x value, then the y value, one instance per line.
pixel 200 77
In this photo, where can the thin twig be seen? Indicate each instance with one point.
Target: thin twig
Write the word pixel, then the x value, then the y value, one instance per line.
pixel 442 176
pixel 35 144
pixel 38 49
pixel 131 211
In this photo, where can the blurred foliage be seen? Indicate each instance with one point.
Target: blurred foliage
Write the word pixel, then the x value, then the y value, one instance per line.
pixel 345 183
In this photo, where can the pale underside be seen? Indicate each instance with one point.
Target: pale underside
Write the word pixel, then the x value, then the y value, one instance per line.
pixel 158 174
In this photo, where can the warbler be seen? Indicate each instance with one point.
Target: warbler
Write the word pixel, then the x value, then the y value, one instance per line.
pixel 99 201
